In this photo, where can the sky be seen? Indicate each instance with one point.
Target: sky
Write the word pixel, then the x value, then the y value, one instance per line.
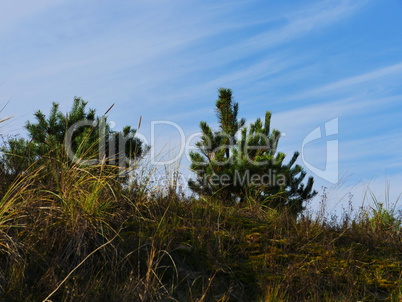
pixel 329 71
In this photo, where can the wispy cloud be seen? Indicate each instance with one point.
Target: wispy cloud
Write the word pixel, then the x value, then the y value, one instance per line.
pixel 13 13
pixel 344 84
pixel 155 46
pixel 297 24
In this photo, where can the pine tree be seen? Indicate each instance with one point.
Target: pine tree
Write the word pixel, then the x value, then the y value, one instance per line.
pixel 47 139
pixel 250 168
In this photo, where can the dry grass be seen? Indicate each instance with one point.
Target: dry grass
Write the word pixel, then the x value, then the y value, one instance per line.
pixel 74 233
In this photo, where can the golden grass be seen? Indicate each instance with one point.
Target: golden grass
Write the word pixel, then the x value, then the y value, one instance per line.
pixel 74 233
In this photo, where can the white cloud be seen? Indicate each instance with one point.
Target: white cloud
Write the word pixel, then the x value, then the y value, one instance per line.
pixel 343 84
pixel 13 13
pixel 366 194
pixel 297 24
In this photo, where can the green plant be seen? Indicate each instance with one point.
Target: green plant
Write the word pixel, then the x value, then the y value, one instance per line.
pixel 250 167
pixel 383 216
pixel 79 133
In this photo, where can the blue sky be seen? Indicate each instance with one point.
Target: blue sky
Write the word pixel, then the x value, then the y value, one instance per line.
pixel 306 61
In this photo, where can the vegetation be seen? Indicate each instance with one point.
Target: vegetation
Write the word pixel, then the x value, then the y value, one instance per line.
pixel 84 236
pixel 79 133
pixel 248 169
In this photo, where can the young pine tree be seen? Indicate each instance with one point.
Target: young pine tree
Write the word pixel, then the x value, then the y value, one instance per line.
pixel 47 139
pixel 250 167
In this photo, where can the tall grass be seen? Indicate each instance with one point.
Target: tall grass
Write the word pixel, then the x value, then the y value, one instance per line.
pixel 70 232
